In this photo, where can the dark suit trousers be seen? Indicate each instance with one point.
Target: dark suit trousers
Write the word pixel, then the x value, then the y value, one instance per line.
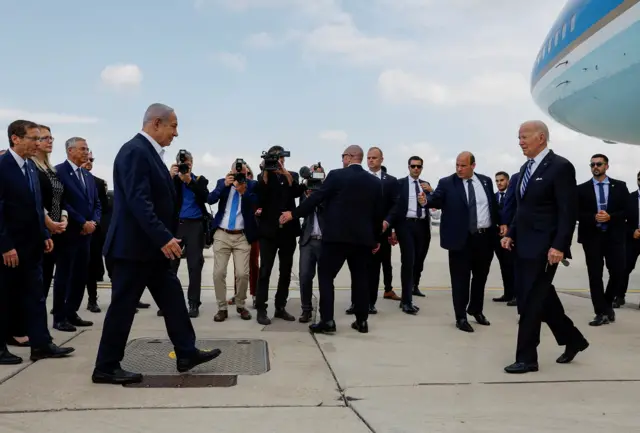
pixel 632 251
pixel 414 237
pixel 71 276
pixel 309 257
pixel 129 280
pixel 23 310
pixel 284 247
pixel 473 260
pixel 48 265
pixel 597 250
pixel 331 261
pixel 387 269
pixel 191 232
pixel 505 258
pixel 377 261
pixel 538 302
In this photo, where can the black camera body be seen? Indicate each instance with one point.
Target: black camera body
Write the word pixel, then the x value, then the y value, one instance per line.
pixel 271 159
pixel 314 179
pixel 239 176
pixel 183 167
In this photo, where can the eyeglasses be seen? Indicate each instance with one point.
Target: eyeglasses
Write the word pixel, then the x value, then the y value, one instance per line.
pixel 596 164
pixel 51 139
pixel 415 166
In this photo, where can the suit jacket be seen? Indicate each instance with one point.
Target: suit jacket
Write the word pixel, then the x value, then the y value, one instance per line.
pixel 616 208
pixel 546 214
pixel 353 207
pixel 309 221
pixel 199 188
pixel 82 205
pixel 390 192
pixel 105 206
pixel 274 197
pixel 450 196
pixel 508 209
pixel 21 212
pixel 399 211
pixel 633 215
pixel 220 195
pixel 144 215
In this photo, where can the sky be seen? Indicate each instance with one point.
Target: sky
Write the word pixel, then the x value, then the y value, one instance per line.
pixel 415 77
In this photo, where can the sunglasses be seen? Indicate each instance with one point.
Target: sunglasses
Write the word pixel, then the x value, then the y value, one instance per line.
pixel 596 164
pixel 416 166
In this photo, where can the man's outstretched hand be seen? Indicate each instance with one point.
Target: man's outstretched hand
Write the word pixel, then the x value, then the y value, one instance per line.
pixel 285 217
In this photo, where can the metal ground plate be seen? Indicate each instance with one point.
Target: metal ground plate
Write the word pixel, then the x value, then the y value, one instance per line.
pixel 186 381
pixel 155 357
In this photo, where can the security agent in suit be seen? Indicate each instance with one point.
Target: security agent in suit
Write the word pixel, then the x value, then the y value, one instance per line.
pixel 23 239
pixel 505 257
pixel 468 230
pixel 602 213
pixel 354 215
pixel 276 191
pixel 632 246
pixel 387 269
pixel 141 242
pixel 83 206
pixel 541 231
pixel 411 221
pixel 310 251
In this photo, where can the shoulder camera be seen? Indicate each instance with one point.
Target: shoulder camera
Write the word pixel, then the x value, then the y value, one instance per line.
pixel 271 159
pixel 313 178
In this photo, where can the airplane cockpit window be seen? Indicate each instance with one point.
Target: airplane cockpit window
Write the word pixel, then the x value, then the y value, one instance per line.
pixel 564 30
pixel 573 22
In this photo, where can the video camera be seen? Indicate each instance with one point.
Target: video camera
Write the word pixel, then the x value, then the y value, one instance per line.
pixel 314 179
pixel 239 176
pixel 271 159
pixel 183 167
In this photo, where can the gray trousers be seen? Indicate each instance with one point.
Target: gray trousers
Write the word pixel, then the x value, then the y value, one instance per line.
pixel 191 232
pixel 309 256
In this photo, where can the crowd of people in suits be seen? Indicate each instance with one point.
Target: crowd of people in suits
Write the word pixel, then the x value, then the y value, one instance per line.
pixel 50 217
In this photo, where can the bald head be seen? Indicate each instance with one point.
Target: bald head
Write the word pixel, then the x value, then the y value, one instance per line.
pixel 465 164
pixel 537 126
pixel 352 155
pixel 161 123
pixel 534 137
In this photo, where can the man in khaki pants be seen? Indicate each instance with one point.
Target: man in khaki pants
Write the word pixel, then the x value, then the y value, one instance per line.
pixel 235 229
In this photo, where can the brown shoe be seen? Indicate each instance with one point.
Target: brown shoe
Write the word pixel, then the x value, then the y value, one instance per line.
pixel 244 313
pixel 391 295
pixel 221 316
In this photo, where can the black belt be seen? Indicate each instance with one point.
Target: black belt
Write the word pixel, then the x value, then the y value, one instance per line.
pixel 415 219
pixel 315 237
pixel 480 231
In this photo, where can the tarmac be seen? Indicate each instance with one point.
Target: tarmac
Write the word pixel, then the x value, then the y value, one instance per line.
pixel 408 374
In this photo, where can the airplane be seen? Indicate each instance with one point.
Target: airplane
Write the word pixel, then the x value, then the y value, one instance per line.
pixel 587 73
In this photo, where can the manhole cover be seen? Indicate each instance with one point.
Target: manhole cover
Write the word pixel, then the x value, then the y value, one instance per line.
pixel 155 357
pixel 186 381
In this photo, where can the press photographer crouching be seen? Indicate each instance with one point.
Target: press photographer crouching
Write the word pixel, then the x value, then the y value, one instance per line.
pixel 191 195
pixel 277 190
pixel 310 240
pixel 235 230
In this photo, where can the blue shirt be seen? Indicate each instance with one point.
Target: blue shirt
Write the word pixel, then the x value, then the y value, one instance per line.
pixel 606 192
pixel 190 208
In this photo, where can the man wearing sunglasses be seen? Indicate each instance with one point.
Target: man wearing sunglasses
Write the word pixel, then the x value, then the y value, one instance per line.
pixel 602 205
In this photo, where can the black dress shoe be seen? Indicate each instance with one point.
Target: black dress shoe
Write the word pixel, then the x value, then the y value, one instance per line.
pixel 115 377
pixel 481 319
pixel 93 307
pixel 160 313
pixel 194 309
pixel 409 309
pixel 351 309
pixel 619 302
pixel 13 342
pixel 305 317
pixel 599 320
pixel 611 315
pixel 64 326
pixel 463 325
pixel 200 357
pixel 281 313
pixel 521 367
pixel 417 292
pixel 8 358
pixel 570 352
pixel 142 305
pixel 501 299
pixel 323 327
pixel 262 318
pixel 372 309
pixel 50 351
pixel 512 303
pixel 361 326
pixel 77 321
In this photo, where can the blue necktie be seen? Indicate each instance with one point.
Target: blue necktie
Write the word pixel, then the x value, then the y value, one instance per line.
pixel 234 210
pixel 602 205
pixel 28 175
pixel 526 177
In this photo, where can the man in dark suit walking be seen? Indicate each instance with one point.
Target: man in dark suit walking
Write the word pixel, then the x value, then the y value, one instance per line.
pixel 541 231
pixel 23 239
pixel 632 247
pixel 602 212
pixel 505 258
pixel 141 242
pixel 468 229
pixel 83 206
pixel 353 215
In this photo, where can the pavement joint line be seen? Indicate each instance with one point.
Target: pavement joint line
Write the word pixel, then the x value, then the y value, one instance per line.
pixel 29 363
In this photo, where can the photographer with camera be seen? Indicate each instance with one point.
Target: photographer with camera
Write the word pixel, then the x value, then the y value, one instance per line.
pixel 235 230
pixel 277 190
pixel 310 239
pixel 191 196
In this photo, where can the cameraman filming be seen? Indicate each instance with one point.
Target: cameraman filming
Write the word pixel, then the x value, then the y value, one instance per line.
pixel 310 242
pixel 277 190
pixel 191 195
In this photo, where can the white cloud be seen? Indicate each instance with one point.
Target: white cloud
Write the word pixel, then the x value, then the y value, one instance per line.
pixel 334 135
pixel 11 114
pixel 260 40
pixel 120 76
pixel 233 61
pixel 210 161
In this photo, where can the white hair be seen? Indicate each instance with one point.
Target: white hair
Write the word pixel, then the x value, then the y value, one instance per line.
pixel 70 143
pixel 157 111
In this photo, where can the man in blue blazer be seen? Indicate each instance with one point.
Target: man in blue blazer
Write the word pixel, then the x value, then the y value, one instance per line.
pixel 468 229
pixel 141 242
pixel 83 206
pixel 235 230
pixel 23 239
pixel 505 258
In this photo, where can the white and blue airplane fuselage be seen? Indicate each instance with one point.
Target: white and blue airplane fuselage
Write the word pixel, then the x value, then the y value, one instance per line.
pixel 587 73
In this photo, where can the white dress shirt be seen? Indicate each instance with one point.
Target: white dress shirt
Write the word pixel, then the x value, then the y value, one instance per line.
pixel 377 174
pixel 154 143
pixel 412 208
pixel 482 201
pixel 20 161
pixel 537 160
pixel 227 212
